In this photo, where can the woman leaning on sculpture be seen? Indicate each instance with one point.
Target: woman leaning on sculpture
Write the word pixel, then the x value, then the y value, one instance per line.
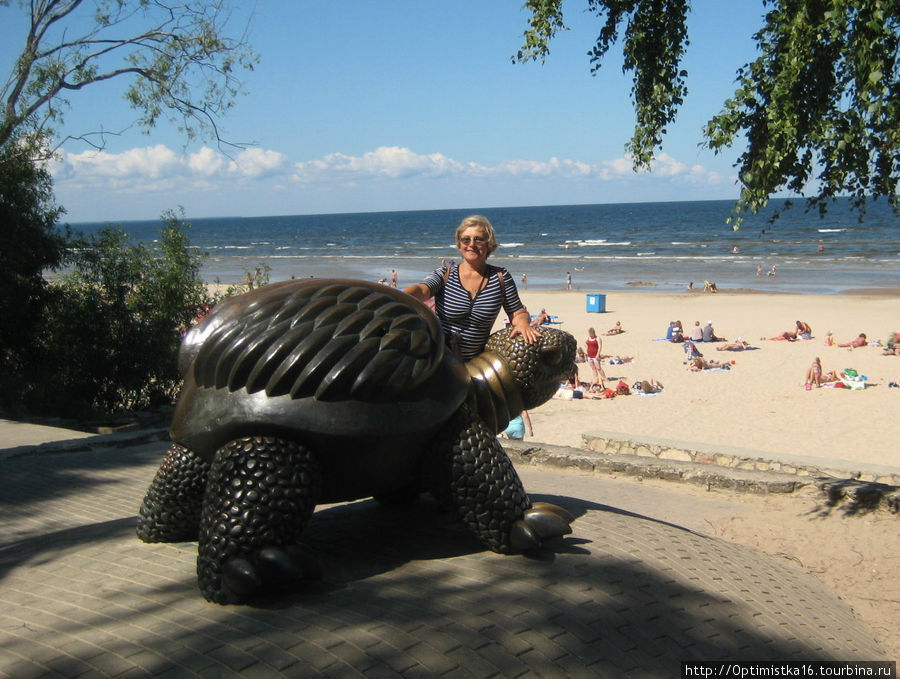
pixel 468 297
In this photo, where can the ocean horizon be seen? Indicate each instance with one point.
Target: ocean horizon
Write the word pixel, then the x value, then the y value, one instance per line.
pixel 605 247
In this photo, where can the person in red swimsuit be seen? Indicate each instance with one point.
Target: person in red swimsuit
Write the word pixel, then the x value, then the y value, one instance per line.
pixel 594 344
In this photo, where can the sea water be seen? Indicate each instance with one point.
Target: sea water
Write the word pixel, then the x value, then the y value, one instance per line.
pixel 629 246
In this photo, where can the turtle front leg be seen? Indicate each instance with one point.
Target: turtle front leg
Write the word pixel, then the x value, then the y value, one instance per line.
pixel 260 496
pixel 473 475
pixel 171 508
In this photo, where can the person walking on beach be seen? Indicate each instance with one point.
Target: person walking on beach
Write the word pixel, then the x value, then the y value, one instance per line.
pixel 525 281
pixel 468 297
pixel 393 278
pixel 568 280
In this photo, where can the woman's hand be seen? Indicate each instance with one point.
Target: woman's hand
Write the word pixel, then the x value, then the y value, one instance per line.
pixel 521 325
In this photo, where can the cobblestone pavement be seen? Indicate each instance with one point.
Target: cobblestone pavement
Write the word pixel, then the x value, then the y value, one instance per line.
pixel 406 593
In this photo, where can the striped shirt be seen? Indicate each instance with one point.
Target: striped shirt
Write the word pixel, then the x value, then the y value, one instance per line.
pixel 467 322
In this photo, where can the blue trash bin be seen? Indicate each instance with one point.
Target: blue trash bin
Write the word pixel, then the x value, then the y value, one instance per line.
pixel 596 303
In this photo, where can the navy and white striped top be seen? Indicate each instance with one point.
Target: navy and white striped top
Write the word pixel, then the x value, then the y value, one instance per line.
pixel 467 322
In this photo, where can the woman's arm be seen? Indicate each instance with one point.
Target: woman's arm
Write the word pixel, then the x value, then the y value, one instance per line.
pixel 420 291
pixel 520 319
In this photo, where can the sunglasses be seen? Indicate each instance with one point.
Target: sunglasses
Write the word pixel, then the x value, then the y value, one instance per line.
pixel 479 240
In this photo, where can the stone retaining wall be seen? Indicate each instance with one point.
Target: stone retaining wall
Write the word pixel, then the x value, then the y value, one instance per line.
pixel 854 495
pixel 737 458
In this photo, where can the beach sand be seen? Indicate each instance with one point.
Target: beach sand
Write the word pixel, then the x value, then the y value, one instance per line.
pixel 759 404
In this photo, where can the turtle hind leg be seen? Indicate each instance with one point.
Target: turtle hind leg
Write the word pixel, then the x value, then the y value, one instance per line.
pixel 260 496
pixel 472 474
pixel 171 508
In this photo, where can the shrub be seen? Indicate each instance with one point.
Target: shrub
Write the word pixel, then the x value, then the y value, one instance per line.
pixel 111 337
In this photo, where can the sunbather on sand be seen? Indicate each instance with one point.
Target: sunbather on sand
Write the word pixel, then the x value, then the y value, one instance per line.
pixel 802 331
pixel 615 330
pixel 858 341
pixel 698 364
pixel 651 386
pixel 541 319
pixel 738 345
pixel 892 347
pixel 815 375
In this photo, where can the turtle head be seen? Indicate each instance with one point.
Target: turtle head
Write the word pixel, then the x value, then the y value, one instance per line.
pixel 538 368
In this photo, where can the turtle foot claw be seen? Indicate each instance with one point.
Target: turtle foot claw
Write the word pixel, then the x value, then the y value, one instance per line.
pixel 543 521
pixel 555 509
pixel 272 569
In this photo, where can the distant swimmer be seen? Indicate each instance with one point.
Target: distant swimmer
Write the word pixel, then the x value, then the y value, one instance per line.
pixel 771 272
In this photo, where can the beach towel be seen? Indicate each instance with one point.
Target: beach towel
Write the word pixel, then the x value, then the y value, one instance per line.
pixel 851 379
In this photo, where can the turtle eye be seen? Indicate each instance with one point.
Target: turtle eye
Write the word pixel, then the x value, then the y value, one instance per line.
pixel 552 356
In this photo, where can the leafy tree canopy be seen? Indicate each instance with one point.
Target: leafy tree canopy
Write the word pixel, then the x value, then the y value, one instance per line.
pixel 819 109
pixel 29 244
pixel 175 57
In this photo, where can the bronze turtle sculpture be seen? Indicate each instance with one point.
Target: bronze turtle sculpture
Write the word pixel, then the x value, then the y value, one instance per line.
pixel 320 391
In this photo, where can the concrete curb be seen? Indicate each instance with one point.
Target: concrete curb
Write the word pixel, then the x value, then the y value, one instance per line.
pixel 852 494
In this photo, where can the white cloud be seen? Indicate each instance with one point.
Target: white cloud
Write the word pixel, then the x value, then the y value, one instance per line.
pixel 150 162
pixel 393 162
pixel 207 162
pixel 259 163
pixel 665 165
pixel 159 175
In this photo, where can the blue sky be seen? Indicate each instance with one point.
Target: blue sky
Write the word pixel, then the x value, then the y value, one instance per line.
pixel 369 106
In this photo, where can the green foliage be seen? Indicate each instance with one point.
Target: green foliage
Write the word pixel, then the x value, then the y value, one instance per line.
pixel 255 279
pixel 655 39
pixel 819 109
pixel 175 57
pixel 30 244
pixel 820 106
pixel 546 21
pixel 111 343
pixel 105 338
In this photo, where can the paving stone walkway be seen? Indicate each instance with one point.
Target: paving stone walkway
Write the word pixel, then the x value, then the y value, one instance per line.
pixel 405 593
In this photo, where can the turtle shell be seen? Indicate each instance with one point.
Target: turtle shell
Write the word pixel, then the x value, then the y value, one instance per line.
pixel 330 339
pixel 322 359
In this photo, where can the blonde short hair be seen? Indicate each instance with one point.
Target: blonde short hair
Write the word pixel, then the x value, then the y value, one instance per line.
pixel 482 223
